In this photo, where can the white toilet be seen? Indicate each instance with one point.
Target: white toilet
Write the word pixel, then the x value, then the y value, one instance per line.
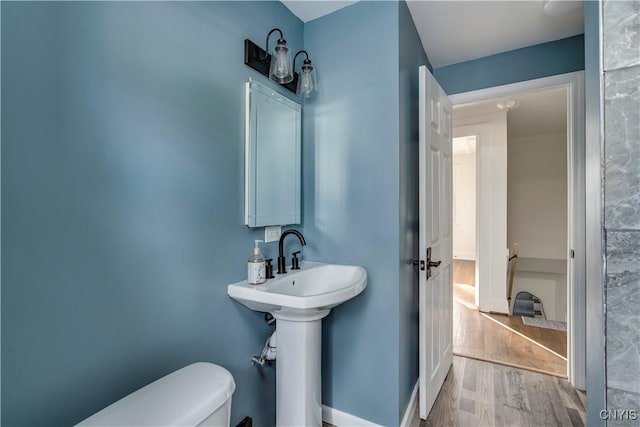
pixel 196 395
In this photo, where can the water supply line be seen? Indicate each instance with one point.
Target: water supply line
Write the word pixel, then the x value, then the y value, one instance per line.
pixel 268 351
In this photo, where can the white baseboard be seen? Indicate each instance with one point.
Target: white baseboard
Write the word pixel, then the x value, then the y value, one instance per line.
pixel 469 256
pixel 497 305
pixel 411 407
pixel 342 419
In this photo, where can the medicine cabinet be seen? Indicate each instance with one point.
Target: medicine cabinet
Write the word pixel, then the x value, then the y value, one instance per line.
pixel 272 157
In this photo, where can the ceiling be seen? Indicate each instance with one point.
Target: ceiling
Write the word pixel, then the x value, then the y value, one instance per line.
pixel 538 112
pixel 455 31
pixel 308 10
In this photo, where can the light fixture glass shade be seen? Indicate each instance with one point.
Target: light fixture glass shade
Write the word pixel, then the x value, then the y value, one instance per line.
pixel 280 69
pixel 307 84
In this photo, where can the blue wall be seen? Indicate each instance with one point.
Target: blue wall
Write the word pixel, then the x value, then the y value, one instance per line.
pixel 351 199
pixel 412 56
pixel 122 197
pixel 533 62
pixel 360 193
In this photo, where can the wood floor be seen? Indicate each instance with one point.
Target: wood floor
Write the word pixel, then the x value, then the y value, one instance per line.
pixel 501 338
pixel 484 394
pixel 552 339
pixel 478 393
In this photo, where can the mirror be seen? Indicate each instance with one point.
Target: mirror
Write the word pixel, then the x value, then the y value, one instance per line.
pixel 272 157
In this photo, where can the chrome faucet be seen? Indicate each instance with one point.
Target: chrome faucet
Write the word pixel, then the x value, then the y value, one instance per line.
pixel 282 267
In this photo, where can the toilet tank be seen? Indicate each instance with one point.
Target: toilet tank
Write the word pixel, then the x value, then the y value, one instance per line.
pixel 196 395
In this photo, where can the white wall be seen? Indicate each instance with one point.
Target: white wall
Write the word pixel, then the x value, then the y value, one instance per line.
pixel 537 214
pixel 464 213
pixel 537 195
pixel 550 288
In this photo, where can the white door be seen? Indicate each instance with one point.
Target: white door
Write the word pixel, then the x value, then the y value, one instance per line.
pixel 436 288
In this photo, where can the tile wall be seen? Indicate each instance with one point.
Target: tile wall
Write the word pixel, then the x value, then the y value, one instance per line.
pixel 621 64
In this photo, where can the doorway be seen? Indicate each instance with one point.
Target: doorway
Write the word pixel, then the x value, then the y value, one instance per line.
pixel 526 209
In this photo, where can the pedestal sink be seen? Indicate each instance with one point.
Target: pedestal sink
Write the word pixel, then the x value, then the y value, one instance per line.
pixel 299 300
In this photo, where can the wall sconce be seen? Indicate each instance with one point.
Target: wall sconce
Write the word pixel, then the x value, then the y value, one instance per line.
pixel 307 84
pixel 278 67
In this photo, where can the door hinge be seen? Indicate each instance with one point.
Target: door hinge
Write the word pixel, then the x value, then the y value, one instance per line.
pixel 573 254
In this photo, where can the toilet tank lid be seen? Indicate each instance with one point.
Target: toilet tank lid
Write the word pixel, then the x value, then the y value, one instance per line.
pixel 183 398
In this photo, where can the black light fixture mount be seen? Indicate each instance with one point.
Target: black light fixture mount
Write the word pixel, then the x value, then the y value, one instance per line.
pixel 260 59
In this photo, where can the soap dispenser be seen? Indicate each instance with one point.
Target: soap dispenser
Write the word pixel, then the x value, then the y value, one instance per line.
pixel 256 266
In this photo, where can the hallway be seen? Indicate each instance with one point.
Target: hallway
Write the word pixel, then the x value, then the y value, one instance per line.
pixel 500 338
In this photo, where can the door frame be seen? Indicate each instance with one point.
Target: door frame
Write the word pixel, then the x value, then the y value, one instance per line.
pixel 576 267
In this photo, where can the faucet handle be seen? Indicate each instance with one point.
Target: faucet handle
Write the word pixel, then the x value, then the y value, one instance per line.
pixel 294 261
pixel 268 268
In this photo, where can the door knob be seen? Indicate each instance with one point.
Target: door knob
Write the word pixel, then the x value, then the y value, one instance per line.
pixel 420 263
pixel 431 264
pixel 434 263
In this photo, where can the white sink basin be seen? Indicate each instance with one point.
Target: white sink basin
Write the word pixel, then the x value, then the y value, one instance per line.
pixel 315 287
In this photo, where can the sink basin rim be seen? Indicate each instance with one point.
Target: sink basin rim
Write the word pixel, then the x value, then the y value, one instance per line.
pixel 261 297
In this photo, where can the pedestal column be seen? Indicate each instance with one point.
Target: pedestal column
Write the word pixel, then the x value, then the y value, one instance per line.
pixel 298 371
